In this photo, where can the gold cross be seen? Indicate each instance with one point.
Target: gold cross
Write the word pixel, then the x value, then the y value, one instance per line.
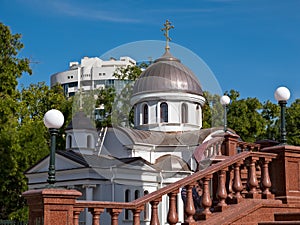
pixel 167 27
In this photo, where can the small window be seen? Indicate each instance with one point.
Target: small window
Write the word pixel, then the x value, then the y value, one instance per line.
pixel 136 194
pixel 127 199
pixel 164 112
pixel 198 114
pixel 145 114
pixel 184 113
pixel 69 144
pixel 89 141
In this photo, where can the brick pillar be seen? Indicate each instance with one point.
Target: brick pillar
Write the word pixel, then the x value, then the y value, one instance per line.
pixel 229 146
pixel 51 206
pixel 285 173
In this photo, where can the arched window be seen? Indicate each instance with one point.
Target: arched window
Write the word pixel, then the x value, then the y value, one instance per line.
pixel 164 112
pixel 136 194
pixel 127 199
pixel 198 114
pixel 145 114
pixel 184 113
pixel 89 141
pixel 69 143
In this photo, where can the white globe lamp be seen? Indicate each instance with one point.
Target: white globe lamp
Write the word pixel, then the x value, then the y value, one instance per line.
pixel 282 94
pixel 225 100
pixel 53 120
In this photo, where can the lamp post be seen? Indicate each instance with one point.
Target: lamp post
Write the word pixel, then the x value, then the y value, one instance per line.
pixel 53 120
pixel 282 94
pixel 225 100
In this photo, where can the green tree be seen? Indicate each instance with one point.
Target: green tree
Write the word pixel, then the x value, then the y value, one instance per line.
pixel 123 114
pixel 270 112
pixel 293 123
pixel 129 72
pixel 11 68
pixel 34 102
pixel 115 108
pixel 104 104
pixel 23 137
pixel 86 101
pixel 213 112
pixel 245 118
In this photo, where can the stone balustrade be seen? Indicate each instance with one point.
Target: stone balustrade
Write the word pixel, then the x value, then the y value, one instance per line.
pixel 253 190
pixel 233 179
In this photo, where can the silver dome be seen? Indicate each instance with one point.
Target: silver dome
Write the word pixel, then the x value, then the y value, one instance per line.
pixel 167 74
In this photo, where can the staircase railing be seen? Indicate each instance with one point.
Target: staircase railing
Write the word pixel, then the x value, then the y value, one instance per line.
pixel 226 176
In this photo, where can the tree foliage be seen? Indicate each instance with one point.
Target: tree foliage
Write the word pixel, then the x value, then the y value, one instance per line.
pixel 114 107
pixel 11 68
pixel 270 113
pixel 105 103
pixel 213 111
pixel 293 123
pixel 245 118
pixel 23 137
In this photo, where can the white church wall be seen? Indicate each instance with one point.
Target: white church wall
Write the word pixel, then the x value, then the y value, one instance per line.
pixel 81 139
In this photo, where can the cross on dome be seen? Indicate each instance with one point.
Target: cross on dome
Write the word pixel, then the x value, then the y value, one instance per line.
pixel 167 27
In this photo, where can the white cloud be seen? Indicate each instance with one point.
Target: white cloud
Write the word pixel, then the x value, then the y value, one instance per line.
pixel 84 11
pixel 183 10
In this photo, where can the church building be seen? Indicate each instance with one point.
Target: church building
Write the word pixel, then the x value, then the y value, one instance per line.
pixel 121 163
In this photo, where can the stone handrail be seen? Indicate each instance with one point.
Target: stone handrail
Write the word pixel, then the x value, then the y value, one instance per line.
pixel 233 178
pixel 154 198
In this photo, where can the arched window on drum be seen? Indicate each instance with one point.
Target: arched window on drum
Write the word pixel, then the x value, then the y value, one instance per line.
pixel 184 113
pixel 164 112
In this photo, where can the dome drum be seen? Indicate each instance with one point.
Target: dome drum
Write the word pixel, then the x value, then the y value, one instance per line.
pixel 167 97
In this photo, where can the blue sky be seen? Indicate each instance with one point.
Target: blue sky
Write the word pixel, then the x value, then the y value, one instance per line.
pixel 252 46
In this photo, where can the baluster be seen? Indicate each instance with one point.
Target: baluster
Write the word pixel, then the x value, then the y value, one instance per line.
pixel 205 153
pixel 251 148
pixel 218 148
pixel 76 213
pixel 172 214
pixel 136 216
pixel 221 192
pixel 265 180
pixel 252 179
pixel 211 151
pixel 206 200
pixel 243 148
pixel 189 205
pixel 230 184
pixel 237 182
pixel 114 213
pixel 96 215
pixel 154 212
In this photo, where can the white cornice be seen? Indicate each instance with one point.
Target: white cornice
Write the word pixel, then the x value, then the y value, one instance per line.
pixel 170 96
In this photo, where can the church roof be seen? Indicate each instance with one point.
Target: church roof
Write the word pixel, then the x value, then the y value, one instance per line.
pixel 167 74
pixel 158 138
pixel 171 163
pixel 80 121
pixel 102 161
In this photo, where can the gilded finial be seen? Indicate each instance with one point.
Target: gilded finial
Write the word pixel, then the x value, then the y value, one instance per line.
pixel 167 27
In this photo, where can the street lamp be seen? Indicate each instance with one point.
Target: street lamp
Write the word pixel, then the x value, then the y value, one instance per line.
pixel 282 94
pixel 225 100
pixel 53 120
